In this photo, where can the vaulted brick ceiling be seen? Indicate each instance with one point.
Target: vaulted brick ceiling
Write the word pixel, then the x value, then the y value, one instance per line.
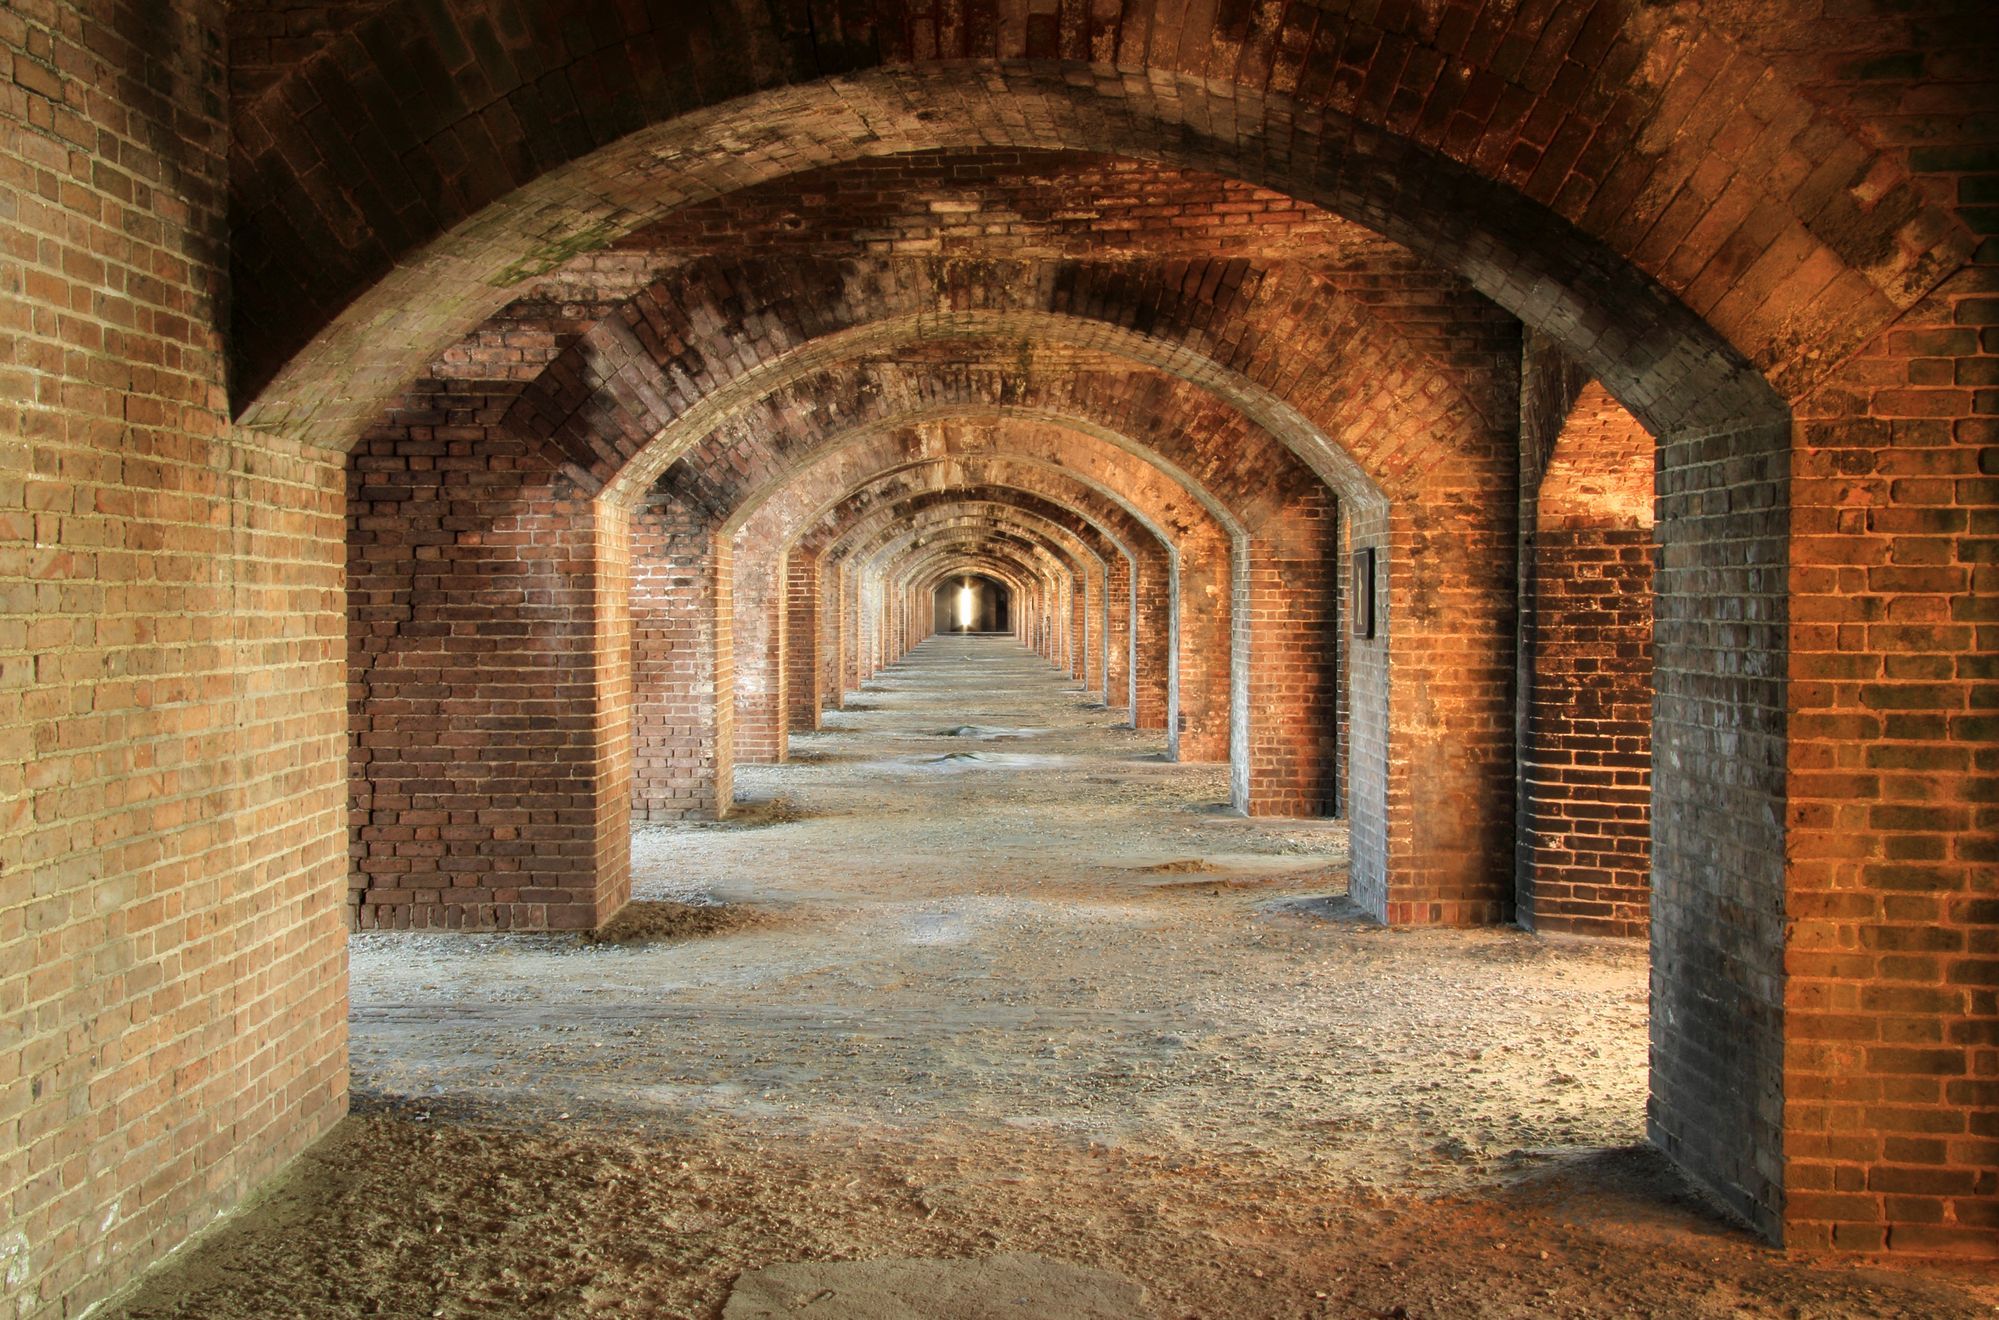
pixel 1345 321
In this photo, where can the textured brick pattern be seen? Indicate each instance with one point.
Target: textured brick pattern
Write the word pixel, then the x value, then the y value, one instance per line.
pixel 1892 1073
pixel 1586 773
pixel 523 259
pixel 447 513
pixel 1602 117
pixel 172 976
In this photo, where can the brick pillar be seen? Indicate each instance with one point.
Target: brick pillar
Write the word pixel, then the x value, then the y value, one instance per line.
pixel 1292 706
pixel 480 646
pixel 1891 1078
pixel 1152 682
pixel 1449 625
pixel 1117 635
pixel 682 670
pixel 1090 668
pixel 801 641
pixel 834 636
pixel 852 650
pixel 760 702
pixel 1204 649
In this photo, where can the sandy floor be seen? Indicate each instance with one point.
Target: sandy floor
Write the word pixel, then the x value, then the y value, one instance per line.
pixel 979 972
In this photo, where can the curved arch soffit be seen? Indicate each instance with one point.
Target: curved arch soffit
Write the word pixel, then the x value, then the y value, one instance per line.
pixel 836 443
pixel 1137 515
pixel 897 510
pixel 891 556
pixel 1525 256
pixel 1072 549
pixel 938 577
pixel 883 555
pixel 1025 580
pixel 1291 428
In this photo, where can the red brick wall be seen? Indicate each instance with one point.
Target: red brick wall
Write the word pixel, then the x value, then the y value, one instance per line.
pixel 1119 617
pixel 683 666
pixel 476 709
pixel 172 964
pixel 804 692
pixel 1566 163
pixel 1586 776
pixel 759 632
pixel 1293 644
pixel 1891 1070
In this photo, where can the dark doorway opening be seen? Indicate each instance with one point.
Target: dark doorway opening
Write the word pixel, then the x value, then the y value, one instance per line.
pixel 971 603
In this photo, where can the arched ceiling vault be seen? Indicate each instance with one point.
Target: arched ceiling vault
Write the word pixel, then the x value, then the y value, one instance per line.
pixel 1154 496
pixel 981 553
pixel 894 501
pixel 918 521
pixel 371 230
pixel 722 353
pixel 1108 523
pixel 943 526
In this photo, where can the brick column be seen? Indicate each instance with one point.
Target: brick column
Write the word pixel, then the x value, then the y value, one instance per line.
pixel 801 639
pixel 1204 650
pixel 682 666
pixel 760 617
pixel 1891 1078
pixel 1292 706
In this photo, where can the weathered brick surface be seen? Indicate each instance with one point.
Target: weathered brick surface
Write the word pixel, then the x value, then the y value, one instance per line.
pixel 1891 1111
pixel 608 403
pixel 805 693
pixel 476 734
pixel 1667 192
pixel 683 666
pixel 172 971
pixel 1585 855
pixel 1608 123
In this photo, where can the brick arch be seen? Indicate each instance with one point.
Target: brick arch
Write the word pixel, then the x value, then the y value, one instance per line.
pixel 1142 552
pixel 539 142
pixel 1134 499
pixel 1048 584
pixel 1105 560
pixel 726 343
pixel 1205 544
pixel 1088 568
pixel 682 731
pixel 938 575
pixel 1820 268
pixel 1262 782
pixel 1045 624
pixel 878 538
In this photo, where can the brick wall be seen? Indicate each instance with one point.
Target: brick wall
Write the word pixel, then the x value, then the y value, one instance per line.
pixel 1585 797
pixel 1565 164
pixel 760 602
pixel 1294 641
pixel 172 971
pixel 683 665
pixel 477 710
pixel 1891 1084
pixel 804 684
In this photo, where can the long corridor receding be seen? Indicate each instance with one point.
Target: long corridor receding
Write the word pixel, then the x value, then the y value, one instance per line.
pixel 1036 924
pixel 1053 998
pixel 720 612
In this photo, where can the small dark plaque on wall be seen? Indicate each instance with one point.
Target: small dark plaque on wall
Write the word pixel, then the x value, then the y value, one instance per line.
pixel 1363 592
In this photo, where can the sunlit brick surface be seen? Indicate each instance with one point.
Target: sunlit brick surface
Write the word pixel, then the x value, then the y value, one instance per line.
pixel 674 356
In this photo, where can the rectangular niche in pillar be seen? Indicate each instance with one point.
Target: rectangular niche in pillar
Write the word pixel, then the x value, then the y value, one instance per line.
pixel 1363 592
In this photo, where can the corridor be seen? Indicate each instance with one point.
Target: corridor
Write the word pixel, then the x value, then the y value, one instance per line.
pixel 979 971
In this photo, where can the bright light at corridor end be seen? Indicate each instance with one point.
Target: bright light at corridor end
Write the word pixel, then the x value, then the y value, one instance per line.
pixel 967 606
